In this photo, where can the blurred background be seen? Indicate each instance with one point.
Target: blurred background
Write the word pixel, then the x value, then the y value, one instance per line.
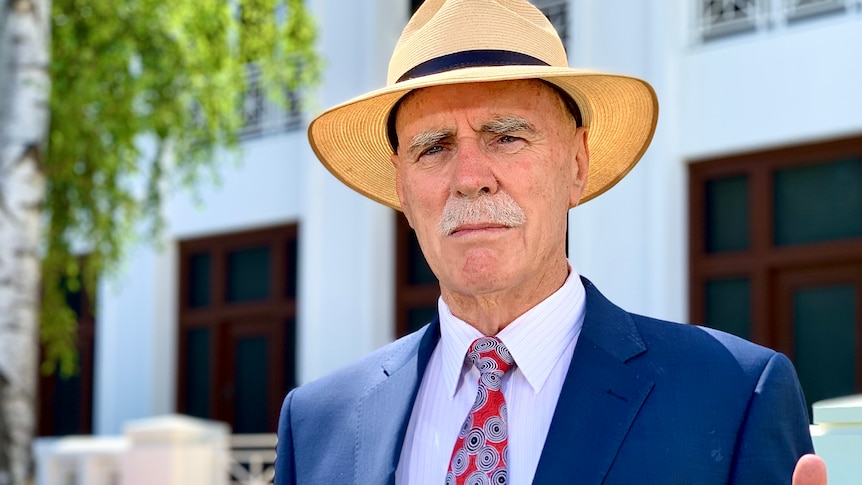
pixel 745 214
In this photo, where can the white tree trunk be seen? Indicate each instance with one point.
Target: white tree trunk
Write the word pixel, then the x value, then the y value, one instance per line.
pixel 24 95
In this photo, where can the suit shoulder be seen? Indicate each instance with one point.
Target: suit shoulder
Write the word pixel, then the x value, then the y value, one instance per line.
pixel 361 375
pixel 703 344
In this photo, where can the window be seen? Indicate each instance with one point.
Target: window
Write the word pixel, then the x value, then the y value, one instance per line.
pixel 237 326
pixel 66 403
pixel 416 287
pixel 776 256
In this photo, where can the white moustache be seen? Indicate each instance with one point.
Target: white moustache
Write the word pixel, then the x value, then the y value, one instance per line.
pixel 499 208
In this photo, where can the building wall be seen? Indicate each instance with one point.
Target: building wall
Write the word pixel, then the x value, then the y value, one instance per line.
pixel 791 84
pixel 631 240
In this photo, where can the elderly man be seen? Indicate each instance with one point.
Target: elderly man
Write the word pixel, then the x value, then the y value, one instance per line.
pixel 485 138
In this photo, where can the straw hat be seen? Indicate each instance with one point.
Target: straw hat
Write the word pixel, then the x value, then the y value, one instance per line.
pixel 466 41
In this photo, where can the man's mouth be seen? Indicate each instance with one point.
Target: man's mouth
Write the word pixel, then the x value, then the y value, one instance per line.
pixel 482 227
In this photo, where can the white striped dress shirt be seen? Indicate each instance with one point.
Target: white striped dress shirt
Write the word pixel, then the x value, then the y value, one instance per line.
pixel 541 341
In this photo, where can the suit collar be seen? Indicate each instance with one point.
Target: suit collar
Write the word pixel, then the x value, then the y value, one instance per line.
pixel 384 411
pixel 599 400
pixel 610 327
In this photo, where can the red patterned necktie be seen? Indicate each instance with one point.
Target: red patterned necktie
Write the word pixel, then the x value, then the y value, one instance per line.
pixel 481 452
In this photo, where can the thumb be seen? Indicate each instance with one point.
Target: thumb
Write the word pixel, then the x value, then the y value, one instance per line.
pixel 810 470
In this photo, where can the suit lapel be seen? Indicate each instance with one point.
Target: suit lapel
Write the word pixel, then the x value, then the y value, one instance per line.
pixel 384 411
pixel 599 400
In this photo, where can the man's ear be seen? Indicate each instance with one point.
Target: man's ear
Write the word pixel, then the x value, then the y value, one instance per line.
pixel 581 167
pixel 399 187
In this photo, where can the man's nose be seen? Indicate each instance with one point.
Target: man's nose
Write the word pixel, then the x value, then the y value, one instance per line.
pixel 473 172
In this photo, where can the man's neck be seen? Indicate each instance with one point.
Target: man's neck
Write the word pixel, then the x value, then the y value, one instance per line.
pixel 492 312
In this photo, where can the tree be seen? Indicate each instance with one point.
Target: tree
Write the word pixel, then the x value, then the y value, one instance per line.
pixel 23 127
pixel 143 93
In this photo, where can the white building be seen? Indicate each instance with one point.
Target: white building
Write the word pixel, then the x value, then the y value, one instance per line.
pixel 745 213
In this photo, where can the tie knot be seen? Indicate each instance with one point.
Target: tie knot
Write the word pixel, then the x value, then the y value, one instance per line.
pixel 490 356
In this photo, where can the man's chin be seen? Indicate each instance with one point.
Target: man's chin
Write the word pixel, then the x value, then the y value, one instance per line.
pixel 478 282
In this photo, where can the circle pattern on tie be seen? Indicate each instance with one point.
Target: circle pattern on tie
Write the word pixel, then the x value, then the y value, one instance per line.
pixel 500 477
pixel 477 478
pixel 487 459
pixel 460 462
pixel 474 441
pixel 495 429
pixel 480 455
pixel 467 426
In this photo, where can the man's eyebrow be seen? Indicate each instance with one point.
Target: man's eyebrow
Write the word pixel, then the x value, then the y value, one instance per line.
pixel 428 138
pixel 507 124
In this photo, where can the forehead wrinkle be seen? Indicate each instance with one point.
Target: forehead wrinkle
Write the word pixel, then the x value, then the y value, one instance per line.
pixel 507 124
pixel 428 138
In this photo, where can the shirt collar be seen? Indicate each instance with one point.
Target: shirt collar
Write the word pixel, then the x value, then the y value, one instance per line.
pixel 536 339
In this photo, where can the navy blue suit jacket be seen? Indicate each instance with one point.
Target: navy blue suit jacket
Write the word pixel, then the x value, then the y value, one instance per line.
pixel 644 401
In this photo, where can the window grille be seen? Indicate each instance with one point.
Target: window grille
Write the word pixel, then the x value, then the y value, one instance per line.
pixel 557 12
pixel 797 9
pixel 261 115
pixel 721 17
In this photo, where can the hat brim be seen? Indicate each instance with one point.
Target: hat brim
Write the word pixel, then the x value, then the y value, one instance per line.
pixel 620 113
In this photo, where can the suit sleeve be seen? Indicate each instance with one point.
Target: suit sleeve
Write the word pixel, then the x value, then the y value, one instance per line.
pixel 285 474
pixel 775 431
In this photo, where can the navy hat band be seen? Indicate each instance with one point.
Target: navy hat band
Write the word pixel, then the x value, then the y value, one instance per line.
pixel 474 58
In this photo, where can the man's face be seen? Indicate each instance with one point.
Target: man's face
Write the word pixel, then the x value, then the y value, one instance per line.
pixel 500 164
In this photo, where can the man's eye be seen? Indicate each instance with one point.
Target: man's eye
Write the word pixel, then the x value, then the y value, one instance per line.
pixel 432 150
pixel 508 139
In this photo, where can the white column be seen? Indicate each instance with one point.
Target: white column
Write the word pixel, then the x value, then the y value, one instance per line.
pixel 631 241
pixel 175 450
pixel 135 340
pixel 345 240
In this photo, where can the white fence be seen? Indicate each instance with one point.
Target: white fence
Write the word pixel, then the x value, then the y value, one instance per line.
pixel 251 459
pixel 79 460
pixel 168 450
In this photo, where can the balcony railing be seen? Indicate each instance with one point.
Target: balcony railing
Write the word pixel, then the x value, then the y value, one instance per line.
pixel 797 9
pixel 558 13
pixel 721 18
pixel 261 115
